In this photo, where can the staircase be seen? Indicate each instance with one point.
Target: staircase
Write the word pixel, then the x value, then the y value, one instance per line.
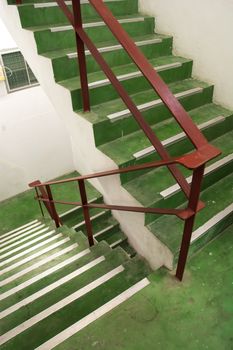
pixel 117 135
pixel 53 285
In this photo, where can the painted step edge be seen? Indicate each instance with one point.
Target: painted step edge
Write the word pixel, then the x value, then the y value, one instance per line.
pixel 210 169
pixel 34 256
pixel 44 274
pixel 40 263
pixel 91 218
pixel 200 231
pixel 31 249
pixel 54 4
pixel 9 245
pixel 76 208
pixel 14 237
pixel 31 298
pixel 117 47
pixel 19 228
pixel 132 75
pixel 93 316
pixel 59 305
pixel 178 137
pixel 25 245
pixel 96 24
pixel 145 106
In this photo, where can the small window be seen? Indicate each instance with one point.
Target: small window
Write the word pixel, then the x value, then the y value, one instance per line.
pixel 17 72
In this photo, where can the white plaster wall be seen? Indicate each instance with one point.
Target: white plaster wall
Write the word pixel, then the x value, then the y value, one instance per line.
pixel 87 157
pixel 202 30
pixel 34 143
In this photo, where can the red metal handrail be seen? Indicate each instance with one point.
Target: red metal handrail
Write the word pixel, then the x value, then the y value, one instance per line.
pixel 195 161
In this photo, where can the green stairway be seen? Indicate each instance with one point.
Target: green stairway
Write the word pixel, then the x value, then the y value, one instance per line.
pixel 105 226
pixel 53 285
pixel 115 130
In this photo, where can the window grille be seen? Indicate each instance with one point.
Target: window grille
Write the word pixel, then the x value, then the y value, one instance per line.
pixel 17 72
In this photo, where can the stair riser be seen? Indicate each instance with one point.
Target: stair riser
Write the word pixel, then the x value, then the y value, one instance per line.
pixel 154 115
pixel 31 16
pixel 78 213
pixel 77 217
pixel 95 221
pixel 78 309
pixel 107 93
pixel 180 147
pixel 178 198
pixel 64 290
pixel 104 236
pixel 50 41
pixel 114 58
pixel 208 236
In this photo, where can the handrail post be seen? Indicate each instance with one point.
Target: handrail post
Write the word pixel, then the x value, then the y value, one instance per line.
pixel 52 207
pixel 40 206
pixel 86 213
pixel 189 223
pixel 81 55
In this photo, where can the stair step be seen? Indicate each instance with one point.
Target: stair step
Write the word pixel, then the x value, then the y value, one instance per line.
pixel 49 13
pixel 64 37
pixel 141 187
pixel 19 230
pixel 170 69
pixel 22 234
pixel 218 198
pixel 110 281
pixel 114 58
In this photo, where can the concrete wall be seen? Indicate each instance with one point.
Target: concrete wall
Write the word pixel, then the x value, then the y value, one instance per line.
pixel 202 30
pixel 34 143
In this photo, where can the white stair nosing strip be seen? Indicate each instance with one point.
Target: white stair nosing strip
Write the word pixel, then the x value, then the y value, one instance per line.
pixel 212 222
pixel 96 24
pixel 9 245
pixel 145 106
pixel 39 245
pixel 54 4
pixel 208 170
pixel 14 239
pixel 91 218
pixel 132 75
pixel 25 245
pixel 116 47
pixel 103 231
pixel 76 208
pixel 59 305
pixel 17 231
pixel 38 264
pixel 51 287
pixel 116 243
pixel 93 316
pixel 178 137
pixel 44 274
pixel 35 255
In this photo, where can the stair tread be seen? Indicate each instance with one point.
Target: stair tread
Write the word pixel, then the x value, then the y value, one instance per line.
pixel 64 52
pixel 29 285
pixel 85 21
pixel 76 309
pixel 98 266
pixel 160 179
pixel 122 150
pixel 74 83
pixel 217 197
pixel 99 113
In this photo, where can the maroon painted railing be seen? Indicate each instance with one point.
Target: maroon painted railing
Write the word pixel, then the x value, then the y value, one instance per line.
pixel 195 161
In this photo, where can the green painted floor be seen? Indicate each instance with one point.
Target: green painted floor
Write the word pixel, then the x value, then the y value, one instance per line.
pixel 168 315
